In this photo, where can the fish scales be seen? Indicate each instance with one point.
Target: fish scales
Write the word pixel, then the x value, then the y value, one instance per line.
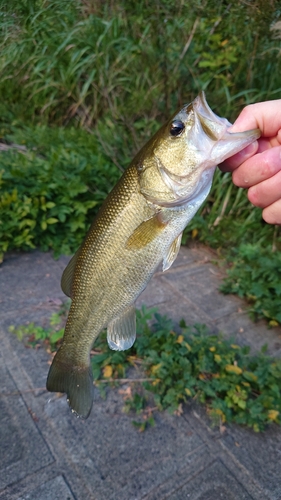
pixel 138 226
pixel 105 251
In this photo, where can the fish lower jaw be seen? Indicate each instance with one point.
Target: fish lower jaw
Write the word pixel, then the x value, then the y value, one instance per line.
pixel 198 194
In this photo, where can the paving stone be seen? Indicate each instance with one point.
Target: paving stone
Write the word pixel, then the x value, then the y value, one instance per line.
pixel 117 459
pixel 23 450
pixel 34 362
pixel 29 280
pixel 241 447
pixel 156 293
pixel 199 286
pixel 245 332
pixel 56 489
pixel 181 308
pixel 214 483
pixel 259 454
pixel 191 467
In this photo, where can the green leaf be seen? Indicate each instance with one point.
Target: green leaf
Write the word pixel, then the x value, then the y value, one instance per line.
pixel 51 220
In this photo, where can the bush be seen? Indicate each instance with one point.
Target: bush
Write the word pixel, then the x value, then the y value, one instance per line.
pixel 51 191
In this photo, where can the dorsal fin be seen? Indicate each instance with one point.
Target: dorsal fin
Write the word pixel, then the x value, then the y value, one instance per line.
pixel 121 331
pixel 172 253
pixel 68 275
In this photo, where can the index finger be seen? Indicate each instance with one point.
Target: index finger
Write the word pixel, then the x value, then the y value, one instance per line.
pixel 263 115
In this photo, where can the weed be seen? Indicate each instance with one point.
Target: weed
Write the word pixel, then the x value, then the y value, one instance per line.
pixel 234 386
pixel 33 335
pixel 256 275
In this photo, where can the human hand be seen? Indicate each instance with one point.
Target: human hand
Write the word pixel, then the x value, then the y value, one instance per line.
pixel 258 167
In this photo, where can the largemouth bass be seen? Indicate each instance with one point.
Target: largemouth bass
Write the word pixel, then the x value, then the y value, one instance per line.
pixel 139 225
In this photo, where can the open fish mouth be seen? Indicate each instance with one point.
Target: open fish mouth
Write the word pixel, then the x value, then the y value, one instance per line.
pixel 211 142
pixel 210 133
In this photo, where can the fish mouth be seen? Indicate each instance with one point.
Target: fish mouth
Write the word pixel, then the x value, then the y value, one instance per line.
pixel 211 133
pixel 211 143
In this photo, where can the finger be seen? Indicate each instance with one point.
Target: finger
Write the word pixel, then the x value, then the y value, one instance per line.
pixel 234 161
pixel 268 143
pixel 265 144
pixel 258 168
pixel 267 192
pixel 263 115
pixel 272 214
pixel 256 147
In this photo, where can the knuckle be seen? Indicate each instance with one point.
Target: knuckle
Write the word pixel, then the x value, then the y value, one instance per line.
pixel 254 196
pixel 272 215
pixel 267 168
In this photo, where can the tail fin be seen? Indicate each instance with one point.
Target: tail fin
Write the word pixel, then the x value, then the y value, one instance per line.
pixel 75 381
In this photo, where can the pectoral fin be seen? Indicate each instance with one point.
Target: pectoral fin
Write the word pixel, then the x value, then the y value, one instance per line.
pixel 172 253
pixel 121 332
pixel 146 232
pixel 68 275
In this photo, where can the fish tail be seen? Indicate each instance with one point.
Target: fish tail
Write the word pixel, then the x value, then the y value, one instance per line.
pixel 75 381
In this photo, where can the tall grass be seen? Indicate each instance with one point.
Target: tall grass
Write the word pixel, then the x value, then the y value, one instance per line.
pixel 65 60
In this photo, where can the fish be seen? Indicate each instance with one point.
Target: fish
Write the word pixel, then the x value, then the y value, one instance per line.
pixel 138 227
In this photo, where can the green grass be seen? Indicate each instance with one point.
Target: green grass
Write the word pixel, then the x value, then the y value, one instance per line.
pixel 84 61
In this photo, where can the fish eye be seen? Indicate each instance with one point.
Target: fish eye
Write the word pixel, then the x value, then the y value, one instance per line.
pixel 177 128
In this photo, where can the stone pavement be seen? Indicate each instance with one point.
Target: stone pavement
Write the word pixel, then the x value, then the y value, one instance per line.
pixel 48 454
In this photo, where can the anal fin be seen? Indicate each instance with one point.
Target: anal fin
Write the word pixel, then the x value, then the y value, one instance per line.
pixel 172 253
pixel 121 331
